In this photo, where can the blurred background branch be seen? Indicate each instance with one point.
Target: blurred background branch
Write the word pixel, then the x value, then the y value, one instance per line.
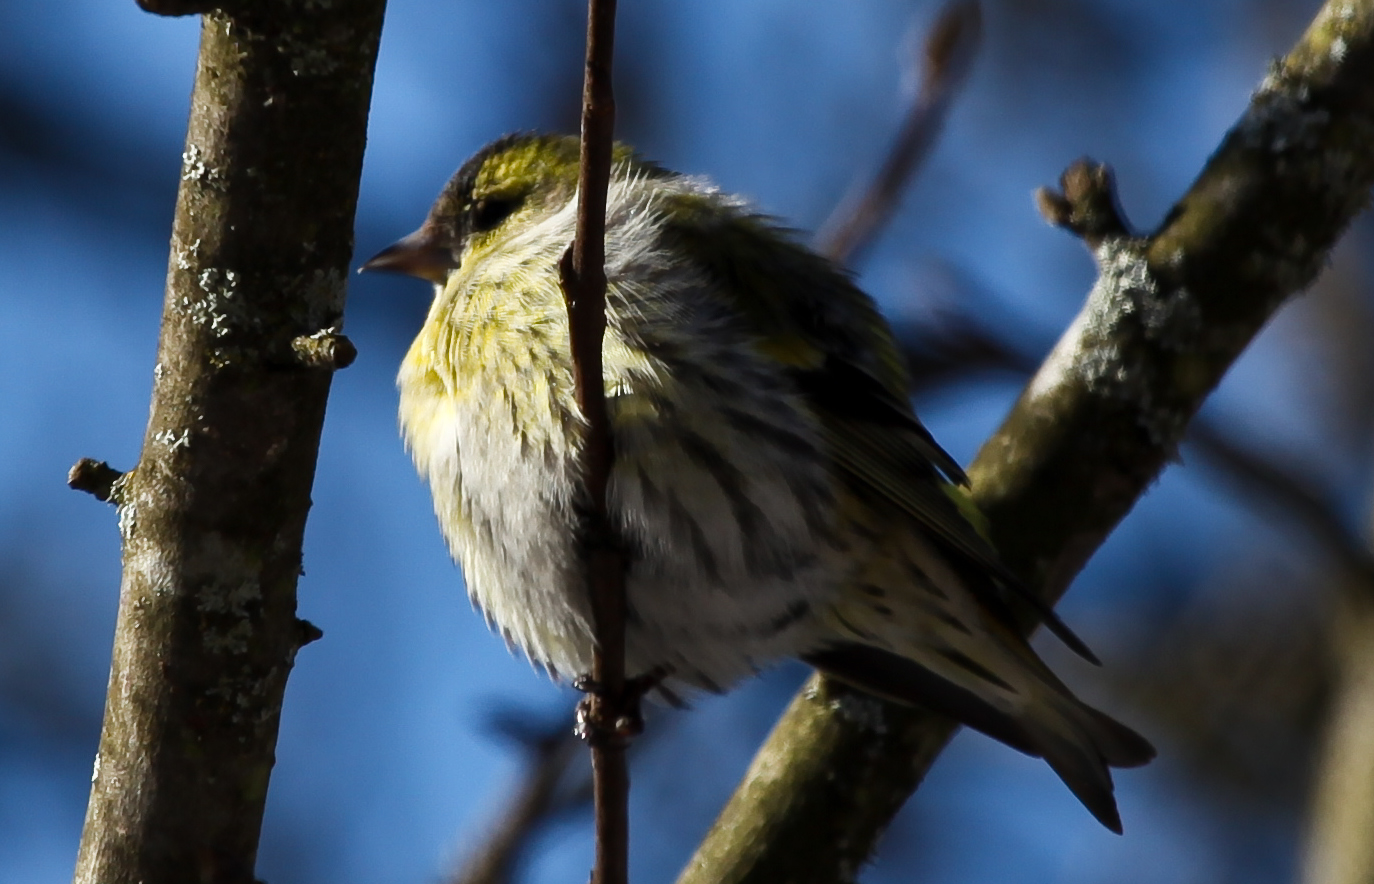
pixel 943 60
pixel 550 751
pixel 1277 487
pixel 554 783
pixel 1338 848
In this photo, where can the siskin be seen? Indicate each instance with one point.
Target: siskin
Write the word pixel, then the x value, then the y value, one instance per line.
pixel 776 495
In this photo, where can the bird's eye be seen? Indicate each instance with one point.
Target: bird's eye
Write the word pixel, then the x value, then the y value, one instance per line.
pixel 488 213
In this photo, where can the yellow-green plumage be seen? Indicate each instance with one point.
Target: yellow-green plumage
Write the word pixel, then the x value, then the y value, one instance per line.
pixel 775 492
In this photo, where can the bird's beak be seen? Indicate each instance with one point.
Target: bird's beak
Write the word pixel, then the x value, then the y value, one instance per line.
pixel 423 254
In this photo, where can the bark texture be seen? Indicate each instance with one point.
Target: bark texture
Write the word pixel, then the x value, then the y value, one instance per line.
pixel 1168 315
pixel 212 517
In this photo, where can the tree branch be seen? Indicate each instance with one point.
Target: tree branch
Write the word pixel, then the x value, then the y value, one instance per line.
pixel 1168 315
pixel 212 517
pixel 610 705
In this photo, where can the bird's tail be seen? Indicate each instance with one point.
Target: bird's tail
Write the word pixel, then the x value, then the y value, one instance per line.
pixel 909 628
pixel 1079 743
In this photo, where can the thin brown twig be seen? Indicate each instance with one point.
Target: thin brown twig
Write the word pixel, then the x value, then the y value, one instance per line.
pixel 945 60
pixel 584 286
pixel 534 801
pixel 549 788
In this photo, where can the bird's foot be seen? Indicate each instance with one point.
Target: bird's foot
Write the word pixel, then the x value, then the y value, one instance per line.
pixel 603 714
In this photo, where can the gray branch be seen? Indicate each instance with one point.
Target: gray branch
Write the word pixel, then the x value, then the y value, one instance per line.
pixel 213 514
pixel 1168 315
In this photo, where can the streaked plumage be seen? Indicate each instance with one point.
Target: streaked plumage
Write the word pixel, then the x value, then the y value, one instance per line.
pixel 776 493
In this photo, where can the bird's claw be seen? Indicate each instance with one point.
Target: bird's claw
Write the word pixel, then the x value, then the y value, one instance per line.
pixel 602 716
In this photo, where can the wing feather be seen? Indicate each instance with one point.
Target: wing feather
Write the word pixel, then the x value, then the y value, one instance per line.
pixel 809 315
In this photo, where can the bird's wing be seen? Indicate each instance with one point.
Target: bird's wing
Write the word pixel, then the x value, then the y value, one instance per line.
pixel 879 444
pixel 810 316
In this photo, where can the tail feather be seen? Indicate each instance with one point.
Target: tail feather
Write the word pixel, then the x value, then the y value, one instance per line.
pixel 1079 743
pixel 1083 771
pixel 1120 746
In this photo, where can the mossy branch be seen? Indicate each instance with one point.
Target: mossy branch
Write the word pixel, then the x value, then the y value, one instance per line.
pixel 212 516
pixel 1102 417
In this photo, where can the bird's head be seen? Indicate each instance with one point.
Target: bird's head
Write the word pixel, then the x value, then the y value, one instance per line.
pixel 504 185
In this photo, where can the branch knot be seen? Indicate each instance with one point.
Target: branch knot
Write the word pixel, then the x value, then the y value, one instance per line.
pixel 326 349
pixel 1086 203
pixel 96 478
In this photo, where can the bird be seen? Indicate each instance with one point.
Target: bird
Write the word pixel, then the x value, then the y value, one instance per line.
pixel 774 492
